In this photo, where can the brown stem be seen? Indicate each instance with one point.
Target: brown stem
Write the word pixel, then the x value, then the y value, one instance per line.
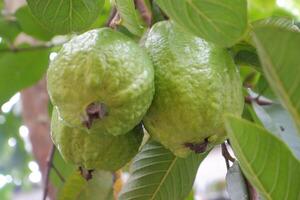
pixel 32 48
pixel 253 195
pixel 145 12
pixel 226 155
pixel 49 166
pixel 249 99
pixel 112 15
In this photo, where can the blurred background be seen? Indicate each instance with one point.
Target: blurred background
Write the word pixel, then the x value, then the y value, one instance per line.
pixel 24 118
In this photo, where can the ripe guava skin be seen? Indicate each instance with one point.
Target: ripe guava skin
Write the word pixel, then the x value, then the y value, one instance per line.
pixel 91 150
pixel 196 83
pixel 106 68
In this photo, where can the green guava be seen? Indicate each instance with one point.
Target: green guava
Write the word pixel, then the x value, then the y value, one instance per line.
pixel 101 80
pixel 196 83
pixel 91 150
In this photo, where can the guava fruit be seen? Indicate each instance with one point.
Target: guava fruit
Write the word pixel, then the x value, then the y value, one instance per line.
pixel 101 80
pixel 91 150
pixel 196 83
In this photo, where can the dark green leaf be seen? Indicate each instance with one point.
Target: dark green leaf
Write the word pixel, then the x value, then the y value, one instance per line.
pixel 9 29
pixel 265 160
pixel 278 49
pixel 236 183
pixel 157 174
pixel 21 69
pixel 245 55
pixel 223 22
pixel 62 17
pixel 30 25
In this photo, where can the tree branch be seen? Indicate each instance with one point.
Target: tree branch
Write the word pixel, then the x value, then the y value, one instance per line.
pixel 226 155
pixel 49 166
pixel 32 48
pixel 249 99
pixel 145 12
pixel 112 15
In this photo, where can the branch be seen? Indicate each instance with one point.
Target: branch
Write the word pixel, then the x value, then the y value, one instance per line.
pixel 32 48
pixel 112 15
pixel 253 195
pixel 249 99
pixel 49 165
pixel 145 12
pixel 226 155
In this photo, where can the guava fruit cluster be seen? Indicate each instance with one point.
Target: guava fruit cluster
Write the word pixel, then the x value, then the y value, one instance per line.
pixel 103 85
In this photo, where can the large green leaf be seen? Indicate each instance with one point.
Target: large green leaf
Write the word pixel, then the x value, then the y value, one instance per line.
pixel 9 29
pixel 223 22
pixel 278 121
pixel 157 174
pixel 65 16
pixel 21 69
pixel 266 161
pixel 30 25
pixel 100 187
pixel 278 50
pixel 132 19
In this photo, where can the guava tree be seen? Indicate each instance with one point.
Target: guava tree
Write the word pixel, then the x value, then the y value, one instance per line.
pixel 151 87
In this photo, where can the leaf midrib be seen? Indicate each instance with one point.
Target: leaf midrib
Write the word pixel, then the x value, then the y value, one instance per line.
pixel 248 166
pixel 164 178
pixel 280 85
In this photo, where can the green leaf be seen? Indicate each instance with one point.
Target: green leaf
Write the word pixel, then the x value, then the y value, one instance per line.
pixel 132 19
pixel 281 22
pixel 100 187
pixel 21 69
pixel 64 169
pixel 278 121
pixel 265 160
pixel 9 29
pixel 30 25
pixel 236 183
pixel 223 22
pixel 278 50
pixel 157 174
pixel 245 54
pixel 66 16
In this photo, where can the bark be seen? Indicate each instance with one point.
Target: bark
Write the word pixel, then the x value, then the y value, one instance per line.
pixel 35 116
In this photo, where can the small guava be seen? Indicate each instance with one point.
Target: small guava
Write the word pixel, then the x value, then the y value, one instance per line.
pixel 101 80
pixel 92 150
pixel 196 83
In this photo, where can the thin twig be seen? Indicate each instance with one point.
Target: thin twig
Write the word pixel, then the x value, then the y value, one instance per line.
pixel 49 166
pixel 32 48
pixel 112 15
pixel 226 155
pixel 249 99
pixel 253 195
pixel 60 176
pixel 145 12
